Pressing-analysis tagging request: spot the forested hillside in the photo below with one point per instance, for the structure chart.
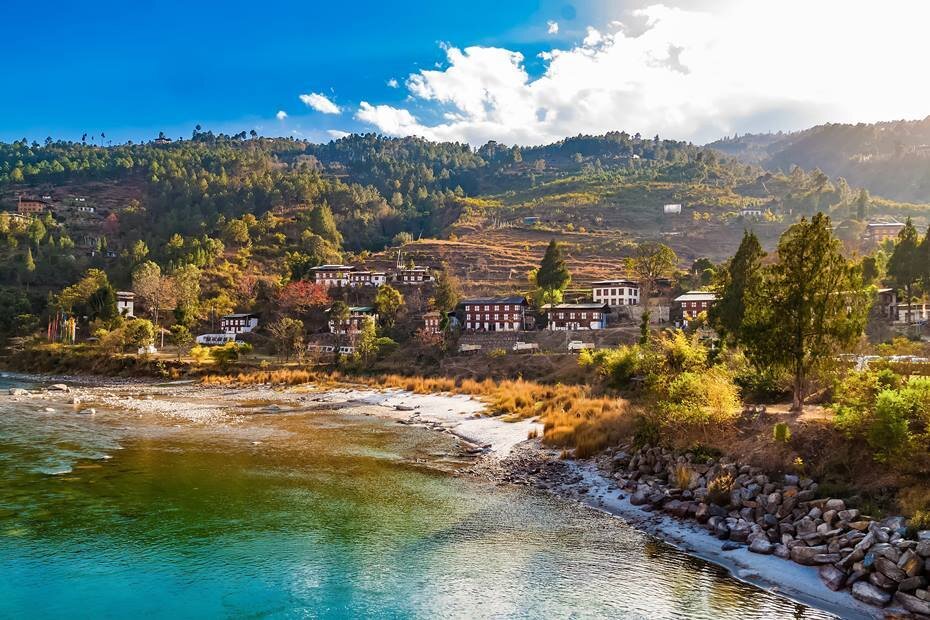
(251, 212)
(891, 159)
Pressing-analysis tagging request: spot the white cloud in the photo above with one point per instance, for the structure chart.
(552, 27)
(320, 103)
(682, 74)
(281, 115)
(393, 83)
(335, 134)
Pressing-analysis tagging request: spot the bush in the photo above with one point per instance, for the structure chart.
(495, 353)
(694, 399)
(682, 474)
(719, 489)
(781, 433)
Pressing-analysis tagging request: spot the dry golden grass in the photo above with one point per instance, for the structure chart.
(572, 417)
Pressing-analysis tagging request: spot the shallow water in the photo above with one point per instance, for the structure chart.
(312, 515)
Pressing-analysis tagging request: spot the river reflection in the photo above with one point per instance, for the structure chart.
(312, 515)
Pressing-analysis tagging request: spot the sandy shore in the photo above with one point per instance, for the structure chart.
(465, 417)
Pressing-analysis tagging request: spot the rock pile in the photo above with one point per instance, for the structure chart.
(784, 516)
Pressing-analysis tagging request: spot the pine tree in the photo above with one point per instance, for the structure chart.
(323, 223)
(811, 303)
(736, 283)
(862, 204)
(905, 266)
(552, 273)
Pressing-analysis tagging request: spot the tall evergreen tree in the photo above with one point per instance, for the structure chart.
(862, 204)
(811, 303)
(737, 282)
(552, 274)
(905, 266)
(323, 223)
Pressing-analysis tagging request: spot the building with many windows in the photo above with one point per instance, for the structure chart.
(238, 323)
(580, 316)
(495, 314)
(615, 293)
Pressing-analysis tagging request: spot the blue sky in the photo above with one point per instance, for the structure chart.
(514, 70)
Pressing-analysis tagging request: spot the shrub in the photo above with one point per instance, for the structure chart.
(496, 353)
(699, 399)
(718, 490)
(681, 474)
(919, 521)
(781, 433)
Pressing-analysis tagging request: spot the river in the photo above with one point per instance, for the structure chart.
(322, 515)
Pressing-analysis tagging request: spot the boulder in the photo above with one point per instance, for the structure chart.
(912, 603)
(761, 545)
(910, 563)
(882, 581)
(806, 555)
(638, 498)
(831, 576)
(18, 392)
(913, 583)
(923, 548)
(890, 569)
(835, 504)
(59, 387)
(782, 552)
(867, 593)
(739, 532)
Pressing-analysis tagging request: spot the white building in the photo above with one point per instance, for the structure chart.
(413, 275)
(332, 275)
(125, 302)
(919, 312)
(615, 293)
(238, 323)
(751, 212)
(673, 209)
(367, 278)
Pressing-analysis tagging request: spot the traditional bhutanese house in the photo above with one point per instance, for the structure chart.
(885, 301)
(615, 293)
(431, 322)
(879, 232)
(911, 313)
(751, 212)
(353, 324)
(125, 301)
(692, 303)
(332, 275)
(565, 317)
(413, 275)
(241, 323)
(366, 278)
(495, 314)
(31, 206)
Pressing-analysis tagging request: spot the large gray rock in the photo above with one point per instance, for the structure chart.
(835, 504)
(890, 569)
(761, 545)
(18, 392)
(910, 584)
(638, 498)
(59, 387)
(806, 555)
(832, 577)
(912, 603)
(910, 563)
(923, 548)
(867, 593)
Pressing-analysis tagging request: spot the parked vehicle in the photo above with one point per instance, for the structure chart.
(525, 346)
(466, 348)
(578, 345)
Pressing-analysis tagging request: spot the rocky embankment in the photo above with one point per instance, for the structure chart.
(880, 562)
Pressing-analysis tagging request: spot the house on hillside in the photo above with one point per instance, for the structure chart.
(911, 313)
(879, 232)
(686, 307)
(31, 206)
(332, 275)
(615, 293)
(495, 314)
(238, 323)
(125, 302)
(353, 324)
(412, 275)
(885, 301)
(579, 316)
(366, 278)
(432, 321)
(672, 209)
(751, 212)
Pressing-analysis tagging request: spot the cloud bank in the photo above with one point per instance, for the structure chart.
(680, 73)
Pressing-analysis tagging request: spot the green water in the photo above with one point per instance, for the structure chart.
(312, 516)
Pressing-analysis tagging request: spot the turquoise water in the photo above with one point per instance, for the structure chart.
(312, 516)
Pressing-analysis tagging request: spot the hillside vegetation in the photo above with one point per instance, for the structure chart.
(891, 159)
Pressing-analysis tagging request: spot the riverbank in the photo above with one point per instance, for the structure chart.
(508, 458)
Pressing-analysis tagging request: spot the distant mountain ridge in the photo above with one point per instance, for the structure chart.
(890, 159)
